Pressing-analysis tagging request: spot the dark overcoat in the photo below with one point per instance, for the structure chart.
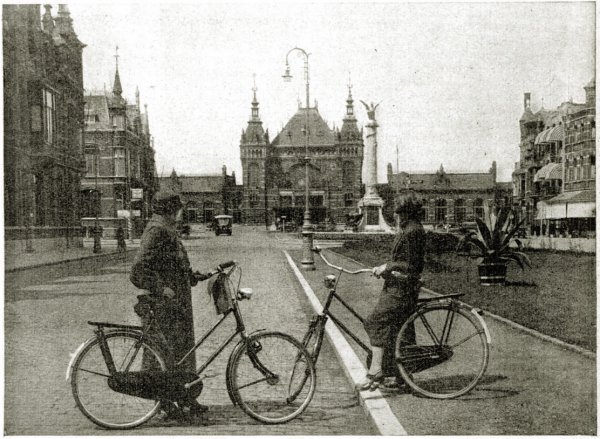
(160, 263)
(398, 297)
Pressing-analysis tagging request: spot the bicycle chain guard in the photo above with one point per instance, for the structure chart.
(150, 384)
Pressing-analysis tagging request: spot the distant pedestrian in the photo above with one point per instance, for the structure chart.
(120, 235)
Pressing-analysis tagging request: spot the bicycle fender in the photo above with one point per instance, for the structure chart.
(238, 346)
(475, 312)
(75, 354)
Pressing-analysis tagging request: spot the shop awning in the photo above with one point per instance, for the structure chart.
(553, 134)
(551, 171)
(581, 210)
(575, 204)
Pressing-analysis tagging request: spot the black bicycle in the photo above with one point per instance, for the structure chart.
(113, 386)
(441, 351)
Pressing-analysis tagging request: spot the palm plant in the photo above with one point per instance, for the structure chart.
(492, 241)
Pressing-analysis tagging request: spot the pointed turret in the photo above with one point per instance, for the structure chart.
(64, 22)
(349, 128)
(254, 132)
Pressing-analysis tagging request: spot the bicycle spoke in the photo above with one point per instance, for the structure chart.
(94, 373)
(464, 340)
(253, 383)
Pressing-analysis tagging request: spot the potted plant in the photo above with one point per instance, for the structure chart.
(492, 241)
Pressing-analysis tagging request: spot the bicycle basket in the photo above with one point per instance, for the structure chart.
(220, 290)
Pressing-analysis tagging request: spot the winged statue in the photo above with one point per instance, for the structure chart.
(371, 109)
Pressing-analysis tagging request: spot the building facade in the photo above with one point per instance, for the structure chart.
(557, 168)
(205, 196)
(274, 172)
(120, 173)
(43, 123)
(448, 198)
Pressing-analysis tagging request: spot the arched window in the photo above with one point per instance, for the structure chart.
(253, 176)
(460, 211)
(440, 210)
(478, 208)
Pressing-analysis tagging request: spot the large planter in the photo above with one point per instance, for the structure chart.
(492, 273)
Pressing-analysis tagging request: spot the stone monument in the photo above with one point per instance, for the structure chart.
(371, 204)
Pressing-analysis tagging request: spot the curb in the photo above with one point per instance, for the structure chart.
(514, 325)
(373, 402)
(64, 261)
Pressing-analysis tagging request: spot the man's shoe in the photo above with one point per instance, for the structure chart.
(371, 382)
(393, 385)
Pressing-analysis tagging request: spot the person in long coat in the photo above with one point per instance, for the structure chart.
(161, 267)
(398, 298)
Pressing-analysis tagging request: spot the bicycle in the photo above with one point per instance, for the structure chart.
(114, 388)
(431, 350)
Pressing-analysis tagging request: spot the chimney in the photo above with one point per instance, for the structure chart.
(224, 170)
(63, 21)
(47, 20)
(527, 101)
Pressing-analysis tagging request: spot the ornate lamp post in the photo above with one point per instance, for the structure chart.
(308, 262)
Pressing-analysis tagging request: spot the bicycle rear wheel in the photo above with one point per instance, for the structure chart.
(264, 370)
(89, 381)
(442, 351)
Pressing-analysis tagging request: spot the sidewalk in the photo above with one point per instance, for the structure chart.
(513, 396)
(22, 261)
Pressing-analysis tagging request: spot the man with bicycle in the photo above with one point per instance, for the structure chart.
(399, 296)
(161, 267)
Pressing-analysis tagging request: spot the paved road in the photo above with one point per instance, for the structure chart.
(45, 320)
(531, 386)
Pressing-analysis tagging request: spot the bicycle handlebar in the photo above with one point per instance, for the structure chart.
(318, 251)
(204, 276)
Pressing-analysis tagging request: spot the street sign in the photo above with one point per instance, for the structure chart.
(137, 194)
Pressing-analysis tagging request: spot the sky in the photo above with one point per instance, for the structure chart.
(450, 76)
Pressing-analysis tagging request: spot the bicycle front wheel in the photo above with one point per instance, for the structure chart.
(89, 381)
(312, 341)
(442, 351)
(263, 374)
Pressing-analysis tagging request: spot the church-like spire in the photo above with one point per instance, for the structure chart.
(349, 101)
(117, 88)
(255, 115)
(349, 130)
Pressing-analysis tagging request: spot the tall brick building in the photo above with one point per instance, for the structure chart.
(554, 181)
(448, 198)
(274, 171)
(43, 122)
(120, 175)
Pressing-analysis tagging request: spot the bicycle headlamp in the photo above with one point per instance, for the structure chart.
(329, 281)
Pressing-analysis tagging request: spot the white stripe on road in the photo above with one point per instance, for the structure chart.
(373, 402)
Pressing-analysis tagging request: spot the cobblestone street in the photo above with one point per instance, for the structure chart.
(47, 320)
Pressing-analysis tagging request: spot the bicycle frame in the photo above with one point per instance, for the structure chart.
(144, 331)
(327, 313)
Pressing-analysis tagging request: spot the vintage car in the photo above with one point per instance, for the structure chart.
(222, 224)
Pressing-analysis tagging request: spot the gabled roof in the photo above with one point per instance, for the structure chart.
(436, 181)
(293, 135)
(97, 105)
(199, 183)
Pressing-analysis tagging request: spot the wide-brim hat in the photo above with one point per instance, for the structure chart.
(166, 201)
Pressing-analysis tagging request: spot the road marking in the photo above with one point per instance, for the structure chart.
(373, 402)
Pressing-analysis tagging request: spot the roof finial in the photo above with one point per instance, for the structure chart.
(254, 89)
(349, 85)
(117, 89)
(116, 55)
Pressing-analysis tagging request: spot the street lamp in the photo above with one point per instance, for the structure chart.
(308, 262)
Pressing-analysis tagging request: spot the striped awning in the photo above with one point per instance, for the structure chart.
(551, 171)
(554, 134)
